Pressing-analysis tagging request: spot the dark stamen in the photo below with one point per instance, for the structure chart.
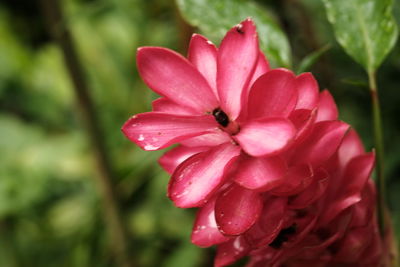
(220, 117)
(283, 236)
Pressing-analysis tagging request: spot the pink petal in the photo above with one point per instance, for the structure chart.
(197, 178)
(307, 88)
(153, 131)
(316, 248)
(321, 144)
(269, 224)
(355, 177)
(262, 66)
(311, 193)
(237, 209)
(350, 148)
(231, 251)
(372, 256)
(171, 159)
(303, 120)
(171, 75)
(296, 180)
(327, 109)
(265, 136)
(165, 105)
(203, 55)
(260, 174)
(334, 230)
(364, 210)
(205, 231)
(262, 257)
(237, 58)
(354, 244)
(272, 95)
(214, 138)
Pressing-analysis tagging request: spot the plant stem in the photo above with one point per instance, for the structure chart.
(55, 21)
(378, 136)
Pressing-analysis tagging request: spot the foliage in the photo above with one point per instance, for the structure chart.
(365, 28)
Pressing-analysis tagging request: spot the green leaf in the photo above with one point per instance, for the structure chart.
(308, 61)
(365, 28)
(216, 17)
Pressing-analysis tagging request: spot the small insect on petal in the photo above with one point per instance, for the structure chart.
(221, 117)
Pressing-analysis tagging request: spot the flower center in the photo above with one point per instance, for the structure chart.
(231, 127)
(221, 117)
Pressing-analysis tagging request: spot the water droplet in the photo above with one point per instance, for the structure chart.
(150, 147)
(237, 245)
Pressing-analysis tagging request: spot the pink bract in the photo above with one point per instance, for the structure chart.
(261, 152)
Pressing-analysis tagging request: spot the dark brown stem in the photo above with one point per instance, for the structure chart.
(54, 20)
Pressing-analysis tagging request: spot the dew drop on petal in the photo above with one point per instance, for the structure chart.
(150, 147)
(141, 137)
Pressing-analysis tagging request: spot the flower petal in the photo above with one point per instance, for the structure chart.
(269, 224)
(303, 120)
(237, 209)
(231, 251)
(354, 243)
(372, 256)
(272, 95)
(364, 210)
(213, 138)
(355, 178)
(327, 109)
(237, 58)
(172, 158)
(312, 192)
(194, 181)
(205, 231)
(203, 55)
(321, 144)
(262, 67)
(350, 148)
(171, 75)
(307, 88)
(297, 179)
(165, 105)
(153, 131)
(266, 136)
(260, 174)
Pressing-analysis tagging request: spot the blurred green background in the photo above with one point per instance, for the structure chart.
(51, 211)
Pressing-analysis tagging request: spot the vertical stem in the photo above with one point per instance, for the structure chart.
(55, 21)
(378, 136)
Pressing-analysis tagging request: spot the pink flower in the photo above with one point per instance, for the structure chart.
(228, 110)
(261, 152)
(341, 228)
(225, 107)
